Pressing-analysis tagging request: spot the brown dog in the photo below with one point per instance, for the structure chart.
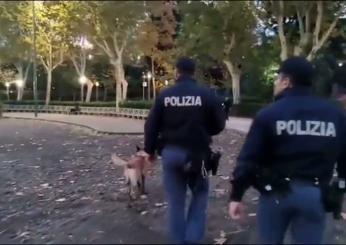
(135, 171)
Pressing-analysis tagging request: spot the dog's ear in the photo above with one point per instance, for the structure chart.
(138, 148)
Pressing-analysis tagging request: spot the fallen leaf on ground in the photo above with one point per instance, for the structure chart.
(61, 200)
(343, 215)
(224, 177)
(45, 185)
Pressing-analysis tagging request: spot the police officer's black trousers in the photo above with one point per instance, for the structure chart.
(301, 209)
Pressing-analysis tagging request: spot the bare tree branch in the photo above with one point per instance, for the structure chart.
(26, 71)
(74, 61)
(318, 23)
(123, 45)
(328, 32)
(230, 46)
(104, 48)
(83, 58)
(115, 42)
(44, 63)
(61, 58)
(318, 43)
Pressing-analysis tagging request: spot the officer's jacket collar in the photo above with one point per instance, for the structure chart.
(296, 91)
(185, 78)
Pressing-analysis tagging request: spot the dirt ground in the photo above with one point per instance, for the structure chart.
(56, 186)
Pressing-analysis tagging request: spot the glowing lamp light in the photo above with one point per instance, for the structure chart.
(82, 80)
(19, 83)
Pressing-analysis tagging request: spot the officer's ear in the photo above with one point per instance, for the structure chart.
(286, 81)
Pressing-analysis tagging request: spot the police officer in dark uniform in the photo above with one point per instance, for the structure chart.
(289, 156)
(181, 122)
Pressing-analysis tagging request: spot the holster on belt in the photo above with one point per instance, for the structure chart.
(332, 198)
(209, 159)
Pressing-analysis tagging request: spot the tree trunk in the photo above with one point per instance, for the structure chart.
(118, 96)
(22, 75)
(119, 75)
(90, 86)
(49, 85)
(124, 86)
(235, 75)
(282, 37)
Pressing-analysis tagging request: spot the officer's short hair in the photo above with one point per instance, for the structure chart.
(299, 70)
(186, 66)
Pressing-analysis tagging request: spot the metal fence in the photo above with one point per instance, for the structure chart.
(83, 110)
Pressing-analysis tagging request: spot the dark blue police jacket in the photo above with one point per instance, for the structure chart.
(298, 136)
(185, 115)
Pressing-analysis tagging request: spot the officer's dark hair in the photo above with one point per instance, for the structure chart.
(299, 70)
(186, 66)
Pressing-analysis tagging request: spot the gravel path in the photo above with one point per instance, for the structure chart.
(56, 186)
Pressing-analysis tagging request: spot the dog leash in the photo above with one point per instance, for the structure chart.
(204, 170)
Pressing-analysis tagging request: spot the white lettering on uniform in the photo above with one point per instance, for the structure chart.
(167, 101)
(198, 101)
(291, 127)
(331, 130)
(280, 125)
(312, 128)
(183, 101)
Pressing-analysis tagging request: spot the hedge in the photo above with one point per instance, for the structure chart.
(129, 104)
(245, 109)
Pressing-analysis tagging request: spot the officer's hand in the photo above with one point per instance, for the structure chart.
(236, 210)
(148, 157)
(152, 158)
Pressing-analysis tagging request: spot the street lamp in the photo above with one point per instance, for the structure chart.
(340, 64)
(19, 83)
(144, 85)
(82, 81)
(7, 84)
(149, 76)
(97, 84)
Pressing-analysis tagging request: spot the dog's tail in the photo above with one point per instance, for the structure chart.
(117, 160)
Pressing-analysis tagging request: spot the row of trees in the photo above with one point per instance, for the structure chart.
(226, 33)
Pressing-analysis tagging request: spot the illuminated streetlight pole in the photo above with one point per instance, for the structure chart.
(34, 58)
(144, 85)
(97, 84)
(149, 76)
